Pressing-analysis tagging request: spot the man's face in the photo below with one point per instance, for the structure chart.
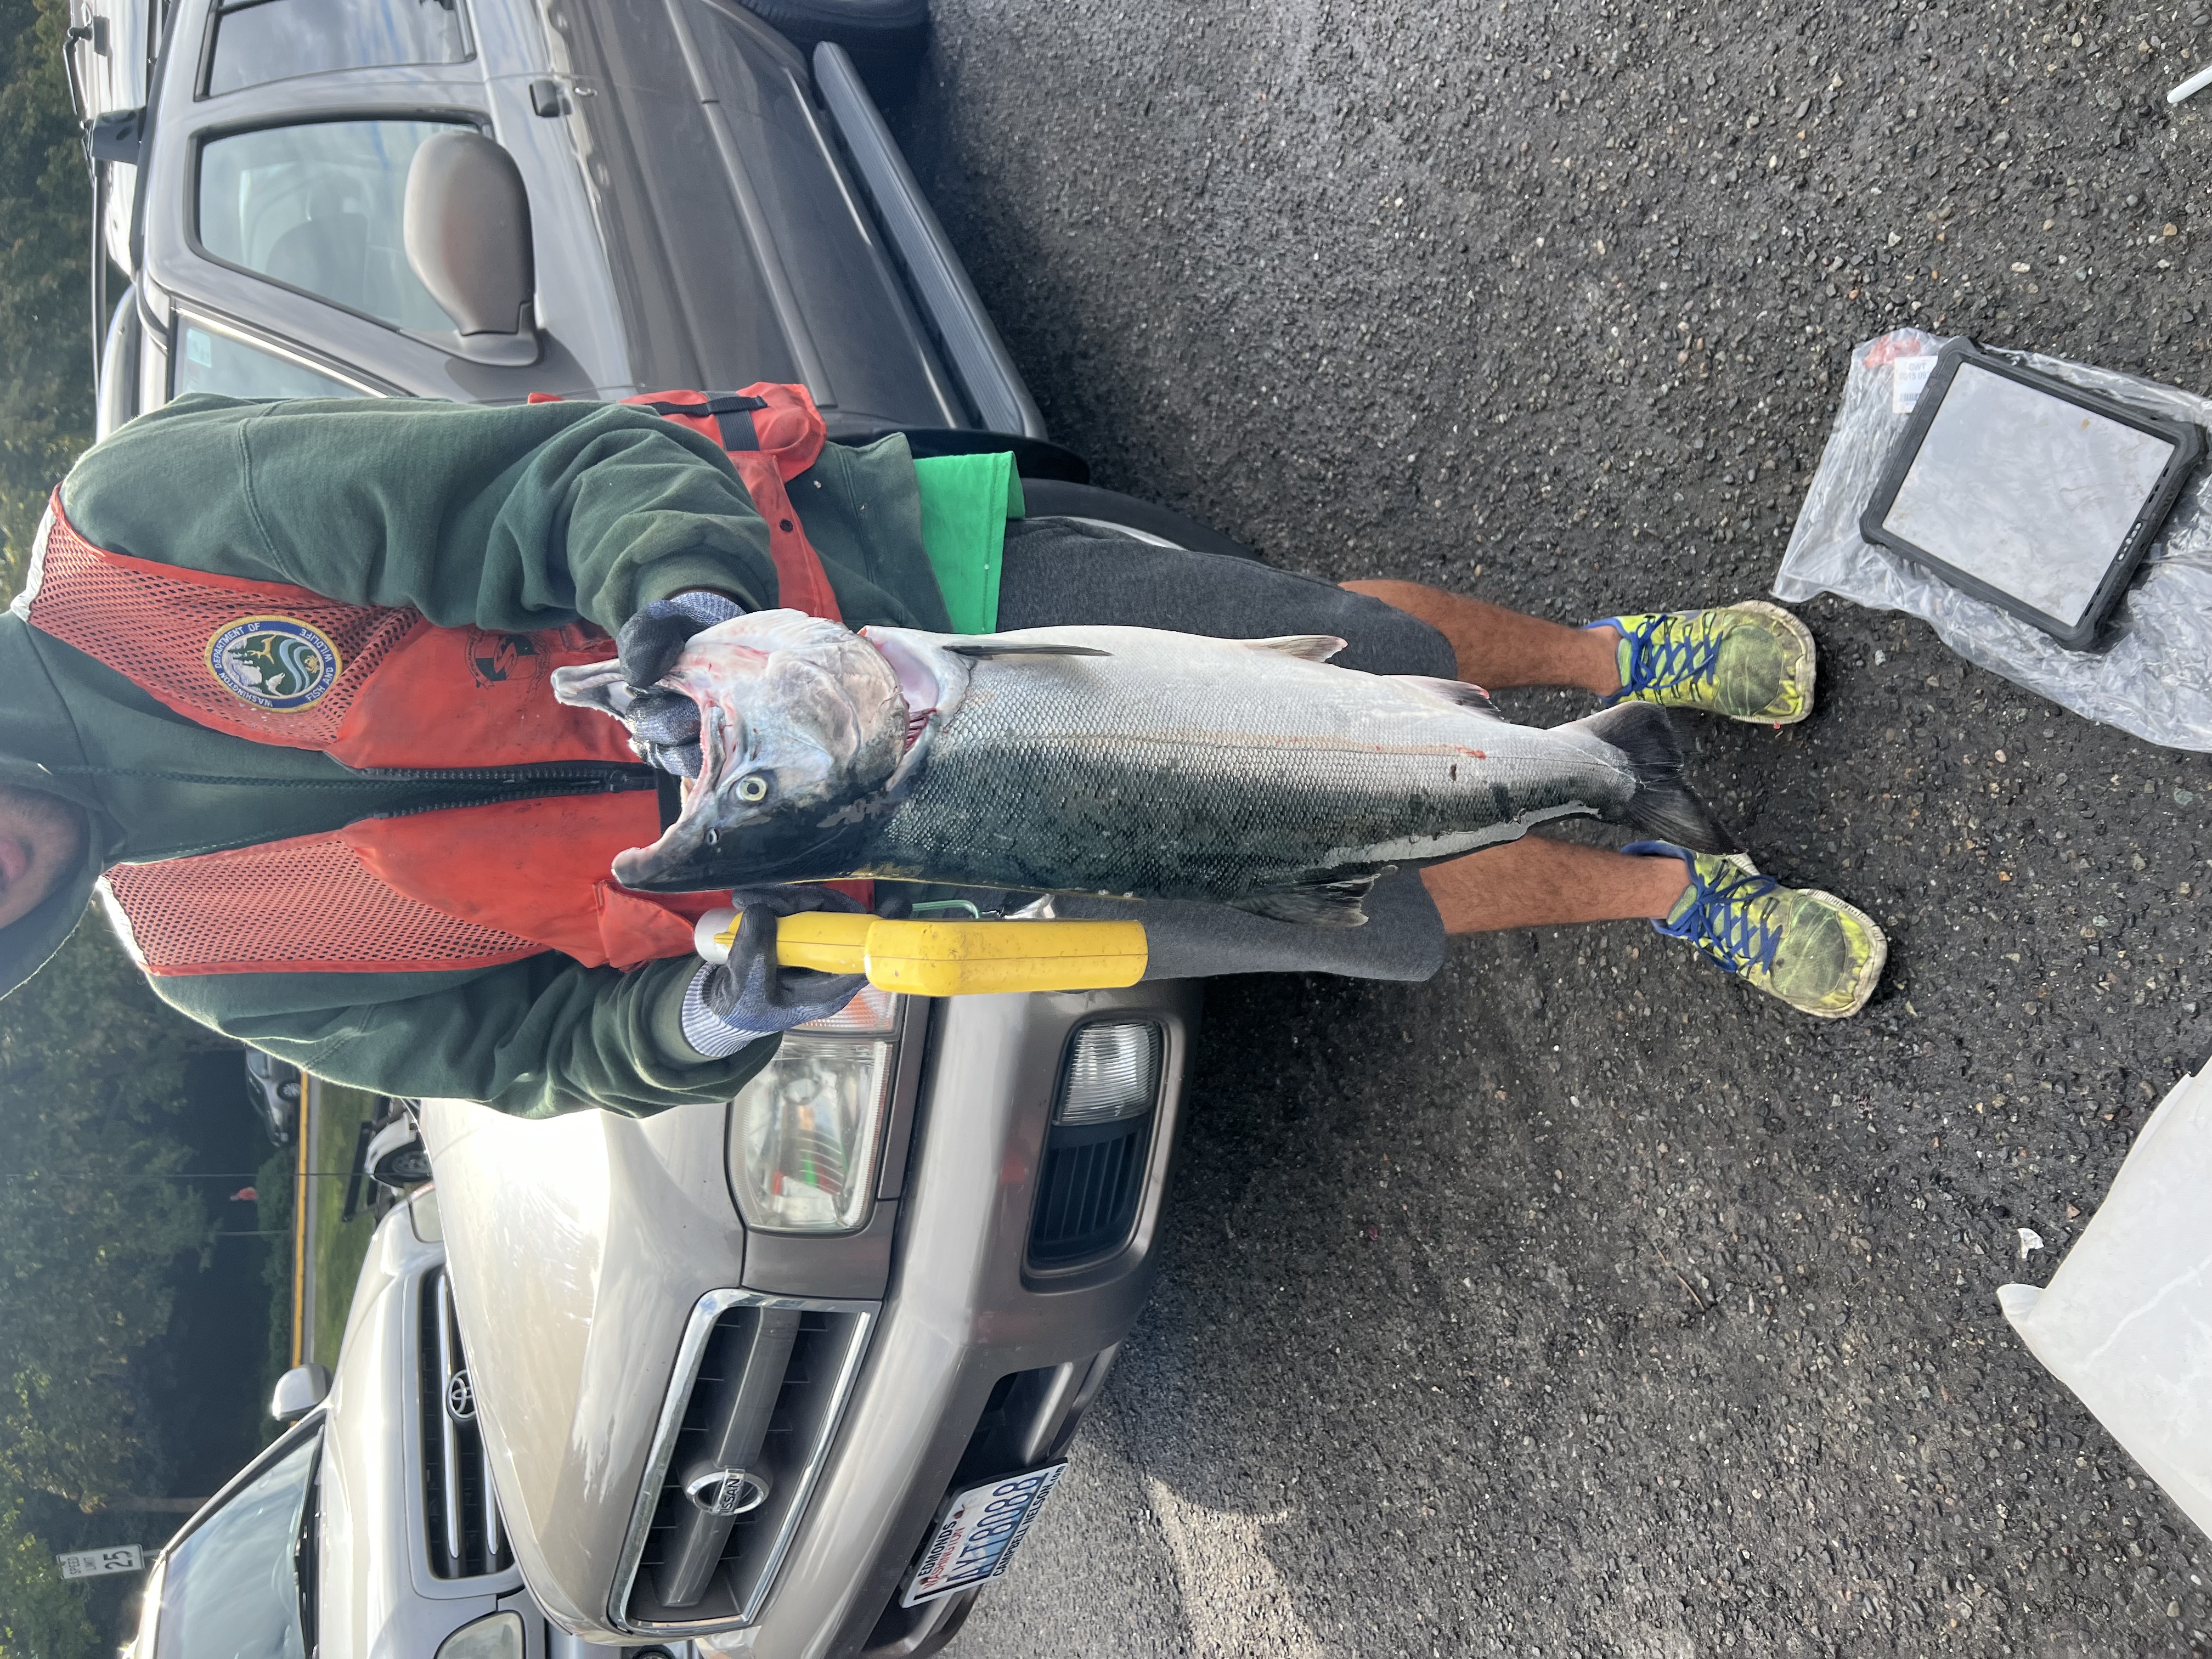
(41, 842)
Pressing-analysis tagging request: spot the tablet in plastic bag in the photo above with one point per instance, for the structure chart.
(2030, 493)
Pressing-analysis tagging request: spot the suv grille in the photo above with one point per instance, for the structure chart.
(461, 1515)
(1087, 1192)
(759, 1388)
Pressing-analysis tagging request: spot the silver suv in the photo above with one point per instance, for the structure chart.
(368, 1528)
(792, 1376)
(694, 205)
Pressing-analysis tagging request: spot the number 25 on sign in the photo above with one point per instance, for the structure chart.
(92, 1564)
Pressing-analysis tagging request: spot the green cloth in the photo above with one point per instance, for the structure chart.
(514, 517)
(966, 500)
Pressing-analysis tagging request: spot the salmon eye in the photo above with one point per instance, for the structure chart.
(752, 787)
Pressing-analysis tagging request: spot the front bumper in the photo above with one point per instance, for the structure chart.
(586, 1250)
(964, 1313)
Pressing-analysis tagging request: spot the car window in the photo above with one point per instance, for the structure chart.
(318, 207)
(208, 361)
(229, 1588)
(253, 42)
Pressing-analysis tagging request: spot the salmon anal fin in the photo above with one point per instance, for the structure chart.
(1313, 647)
(1458, 693)
(1320, 904)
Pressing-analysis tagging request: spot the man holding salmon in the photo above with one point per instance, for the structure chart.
(281, 684)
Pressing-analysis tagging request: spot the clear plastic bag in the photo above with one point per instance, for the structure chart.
(2126, 1321)
(2154, 680)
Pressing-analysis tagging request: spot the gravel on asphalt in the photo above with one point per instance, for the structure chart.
(1582, 1301)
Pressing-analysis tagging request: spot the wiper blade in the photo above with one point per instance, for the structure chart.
(303, 1561)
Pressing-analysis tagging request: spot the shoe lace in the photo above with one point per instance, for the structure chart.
(1724, 919)
(1670, 650)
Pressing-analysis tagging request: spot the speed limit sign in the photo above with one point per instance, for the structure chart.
(93, 1564)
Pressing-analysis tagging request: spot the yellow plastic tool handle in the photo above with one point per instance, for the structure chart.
(949, 959)
(966, 958)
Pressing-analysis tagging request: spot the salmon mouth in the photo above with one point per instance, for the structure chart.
(794, 745)
(714, 747)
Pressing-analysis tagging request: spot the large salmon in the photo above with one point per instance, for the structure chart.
(1117, 761)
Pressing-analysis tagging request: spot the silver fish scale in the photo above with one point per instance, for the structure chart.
(1214, 771)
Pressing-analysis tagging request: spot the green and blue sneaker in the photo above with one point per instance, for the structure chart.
(1818, 954)
(1752, 661)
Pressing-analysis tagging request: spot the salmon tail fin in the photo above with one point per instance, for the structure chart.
(1664, 806)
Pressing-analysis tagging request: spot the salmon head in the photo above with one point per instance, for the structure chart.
(800, 722)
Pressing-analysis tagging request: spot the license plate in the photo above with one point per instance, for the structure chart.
(977, 1532)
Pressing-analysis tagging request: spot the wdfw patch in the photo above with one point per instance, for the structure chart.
(274, 662)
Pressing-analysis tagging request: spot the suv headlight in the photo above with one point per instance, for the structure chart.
(806, 1132)
(494, 1636)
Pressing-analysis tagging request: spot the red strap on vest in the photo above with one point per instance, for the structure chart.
(772, 434)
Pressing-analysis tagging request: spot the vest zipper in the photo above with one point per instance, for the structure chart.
(607, 777)
(612, 776)
(619, 785)
(580, 777)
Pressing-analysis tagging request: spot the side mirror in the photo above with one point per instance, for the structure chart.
(299, 1391)
(466, 227)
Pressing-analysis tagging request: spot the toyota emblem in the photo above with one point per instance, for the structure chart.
(460, 1398)
(728, 1491)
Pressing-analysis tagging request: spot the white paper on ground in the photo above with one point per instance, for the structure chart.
(2126, 1321)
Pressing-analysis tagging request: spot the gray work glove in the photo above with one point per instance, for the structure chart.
(664, 725)
(731, 1004)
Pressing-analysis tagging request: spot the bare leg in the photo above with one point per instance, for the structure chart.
(1532, 883)
(1498, 647)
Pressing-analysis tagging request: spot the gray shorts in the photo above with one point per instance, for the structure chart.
(1061, 572)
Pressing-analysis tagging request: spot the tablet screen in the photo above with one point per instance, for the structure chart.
(2027, 492)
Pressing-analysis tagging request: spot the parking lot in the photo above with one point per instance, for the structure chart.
(1580, 1302)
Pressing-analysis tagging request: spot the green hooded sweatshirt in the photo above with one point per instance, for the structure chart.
(509, 519)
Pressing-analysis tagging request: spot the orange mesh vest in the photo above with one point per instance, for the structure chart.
(377, 687)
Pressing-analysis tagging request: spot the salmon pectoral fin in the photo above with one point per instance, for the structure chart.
(1458, 693)
(980, 649)
(1317, 904)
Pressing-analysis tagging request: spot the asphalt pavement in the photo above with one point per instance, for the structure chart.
(1582, 1301)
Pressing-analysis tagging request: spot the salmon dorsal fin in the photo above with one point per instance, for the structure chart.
(980, 649)
(1313, 647)
(1317, 904)
(1458, 693)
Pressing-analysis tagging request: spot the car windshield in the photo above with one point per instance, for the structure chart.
(319, 206)
(230, 1590)
(257, 41)
(208, 361)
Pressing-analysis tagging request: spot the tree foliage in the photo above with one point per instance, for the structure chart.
(90, 1063)
(91, 1066)
(45, 229)
(41, 1616)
